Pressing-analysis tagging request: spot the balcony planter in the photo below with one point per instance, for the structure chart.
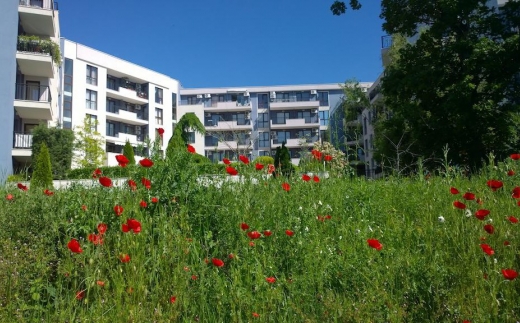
(38, 45)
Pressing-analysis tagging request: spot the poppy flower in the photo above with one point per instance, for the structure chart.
(487, 249)
(509, 274)
(122, 160)
(96, 239)
(22, 187)
(74, 246)
(515, 156)
(80, 295)
(118, 210)
(507, 243)
(321, 218)
(145, 162)
(97, 172)
(100, 283)
(132, 184)
(231, 171)
(105, 181)
(306, 177)
(479, 201)
(289, 233)
(125, 227)
(254, 235)
(155, 200)
(328, 217)
(454, 191)
(481, 214)
(173, 299)
(468, 196)
(316, 154)
(512, 219)
(286, 187)
(244, 159)
(134, 225)
(146, 183)
(374, 243)
(316, 179)
(124, 257)
(84, 207)
(194, 277)
(256, 314)
(143, 204)
(244, 226)
(251, 244)
(510, 172)
(516, 192)
(267, 233)
(494, 184)
(226, 161)
(459, 205)
(270, 280)
(270, 168)
(259, 166)
(190, 149)
(160, 131)
(9, 197)
(328, 158)
(102, 228)
(231, 256)
(217, 262)
(48, 193)
(489, 228)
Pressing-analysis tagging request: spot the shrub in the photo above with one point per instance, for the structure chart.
(128, 151)
(264, 160)
(42, 175)
(110, 171)
(282, 162)
(60, 143)
(199, 159)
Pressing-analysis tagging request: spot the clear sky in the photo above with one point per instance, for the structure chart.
(225, 43)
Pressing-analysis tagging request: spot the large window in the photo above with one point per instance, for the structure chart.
(263, 140)
(92, 121)
(263, 101)
(112, 106)
(324, 118)
(92, 75)
(323, 97)
(158, 95)
(91, 100)
(112, 83)
(67, 94)
(263, 120)
(281, 117)
(283, 136)
(192, 100)
(158, 116)
(304, 115)
(111, 129)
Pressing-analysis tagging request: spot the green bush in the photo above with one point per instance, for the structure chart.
(42, 175)
(128, 151)
(282, 162)
(264, 160)
(109, 171)
(60, 143)
(200, 159)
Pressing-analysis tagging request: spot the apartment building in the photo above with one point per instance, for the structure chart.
(254, 121)
(129, 102)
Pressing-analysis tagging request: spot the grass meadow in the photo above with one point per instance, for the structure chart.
(337, 250)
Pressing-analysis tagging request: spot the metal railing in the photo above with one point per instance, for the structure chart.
(22, 140)
(292, 99)
(28, 92)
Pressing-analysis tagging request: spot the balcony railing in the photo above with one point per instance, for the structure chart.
(386, 41)
(35, 46)
(42, 4)
(292, 99)
(307, 120)
(28, 92)
(140, 112)
(22, 140)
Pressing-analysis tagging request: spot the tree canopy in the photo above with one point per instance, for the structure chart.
(181, 133)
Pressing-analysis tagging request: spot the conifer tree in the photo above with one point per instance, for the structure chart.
(282, 161)
(128, 151)
(42, 175)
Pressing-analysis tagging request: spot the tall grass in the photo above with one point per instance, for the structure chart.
(430, 269)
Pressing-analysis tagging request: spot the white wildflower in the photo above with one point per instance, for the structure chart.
(441, 219)
(468, 213)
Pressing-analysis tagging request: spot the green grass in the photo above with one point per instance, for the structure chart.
(427, 270)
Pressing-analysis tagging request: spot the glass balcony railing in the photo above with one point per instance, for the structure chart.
(30, 92)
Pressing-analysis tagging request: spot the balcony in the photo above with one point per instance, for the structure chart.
(124, 90)
(227, 126)
(37, 16)
(22, 144)
(124, 116)
(33, 102)
(35, 57)
(229, 106)
(122, 138)
(293, 104)
(294, 142)
(234, 145)
(296, 123)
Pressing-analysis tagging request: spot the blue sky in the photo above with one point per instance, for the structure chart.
(224, 43)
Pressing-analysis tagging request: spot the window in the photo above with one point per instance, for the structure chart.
(192, 100)
(191, 137)
(364, 125)
(91, 100)
(92, 121)
(112, 83)
(283, 136)
(305, 134)
(324, 118)
(323, 97)
(210, 141)
(111, 129)
(158, 95)
(264, 153)
(263, 120)
(91, 75)
(240, 118)
(67, 95)
(112, 106)
(281, 117)
(158, 116)
(304, 115)
(263, 101)
(263, 140)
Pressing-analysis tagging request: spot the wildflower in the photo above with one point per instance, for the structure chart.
(160, 131)
(124, 257)
(146, 183)
(468, 213)
(459, 205)
(84, 207)
(22, 187)
(9, 197)
(259, 166)
(190, 149)
(134, 225)
(512, 219)
(97, 172)
(507, 243)
(489, 228)
(509, 274)
(143, 204)
(454, 191)
(118, 210)
(122, 160)
(468, 196)
(256, 314)
(217, 262)
(441, 219)
(481, 214)
(102, 228)
(286, 187)
(226, 161)
(105, 181)
(270, 280)
(516, 192)
(479, 201)
(194, 277)
(74, 246)
(132, 185)
(317, 154)
(251, 244)
(80, 295)
(374, 243)
(100, 283)
(267, 233)
(173, 299)
(145, 162)
(244, 159)
(510, 172)
(487, 249)
(316, 179)
(96, 239)
(306, 177)
(48, 193)
(155, 200)
(244, 226)
(494, 184)
(328, 158)
(515, 156)
(254, 235)
(270, 168)
(289, 233)
(231, 256)
(231, 171)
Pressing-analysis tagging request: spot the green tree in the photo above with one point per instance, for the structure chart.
(128, 151)
(89, 144)
(42, 175)
(282, 161)
(181, 133)
(60, 143)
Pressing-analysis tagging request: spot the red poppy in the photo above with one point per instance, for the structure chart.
(267, 233)
(494, 184)
(454, 191)
(132, 224)
(244, 226)
(226, 161)
(510, 172)
(516, 192)
(251, 244)
(143, 203)
(231, 171)
(160, 131)
(145, 162)
(256, 314)
(100, 283)
(316, 154)
(80, 295)
(125, 227)
(191, 149)
(321, 218)
(270, 280)
(489, 228)
(97, 172)
(270, 168)
(306, 177)
(481, 214)
(328, 217)
(155, 200)
(468, 196)
(217, 262)
(374, 243)
(515, 156)
(509, 274)
(9, 197)
(328, 158)
(459, 205)
(84, 207)
(22, 187)
(102, 228)
(96, 239)
(146, 183)
(105, 181)
(254, 235)
(286, 187)
(173, 299)
(479, 201)
(316, 179)
(132, 184)
(259, 166)
(487, 249)
(507, 243)
(231, 256)
(194, 277)
(124, 257)
(244, 159)
(118, 210)
(122, 160)
(512, 219)
(74, 246)
(48, 193)
(289, 233)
